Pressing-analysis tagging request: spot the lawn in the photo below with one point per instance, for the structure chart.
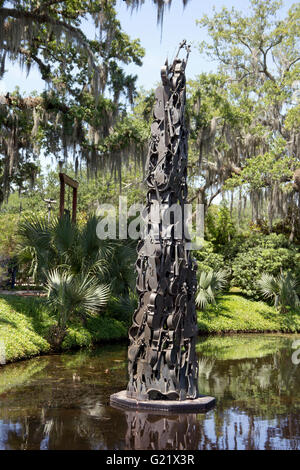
(235, 313)
(24, 325)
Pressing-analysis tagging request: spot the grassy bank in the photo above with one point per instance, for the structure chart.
(25, 322)
(235, 313)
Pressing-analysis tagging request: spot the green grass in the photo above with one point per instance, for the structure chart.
(242, 346)
(25, 322)
(235, 313)
(22, 324)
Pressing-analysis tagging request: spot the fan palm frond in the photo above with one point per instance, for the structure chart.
(283, 289)
(210, 284)
(68, 293)
(121, 268)
(64, 234)
(34, 247)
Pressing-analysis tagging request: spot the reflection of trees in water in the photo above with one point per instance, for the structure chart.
(58, 403)
(52, 429)
(14, 375)
(265, 386)
(62, 404)
(219, 429)
(242, 346)
(223, 429)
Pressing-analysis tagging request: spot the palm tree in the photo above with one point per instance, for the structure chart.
(73, 264)
(35, 249)
(121, 270)
(209, 286)
(69, 294)
(283, 289)
(62, 244)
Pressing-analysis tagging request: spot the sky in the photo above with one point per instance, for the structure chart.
(179, 23)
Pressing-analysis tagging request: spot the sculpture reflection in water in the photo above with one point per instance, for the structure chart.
(162, 359)
(152, 432)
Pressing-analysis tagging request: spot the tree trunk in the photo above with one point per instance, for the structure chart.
(270, 212)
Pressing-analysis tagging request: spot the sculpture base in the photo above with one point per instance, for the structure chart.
(202, 403)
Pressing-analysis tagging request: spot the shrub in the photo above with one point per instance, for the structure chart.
(263, 254)
(219, 226)
(283, 289)
(209, 286)
(208, 259)
(78, 270)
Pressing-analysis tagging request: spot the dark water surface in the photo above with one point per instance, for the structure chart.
(62, 401)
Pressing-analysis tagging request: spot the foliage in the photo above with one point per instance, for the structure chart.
(234, 313)
(69, 294)
(283, 289)
(45, 246)
(25, 324)
(71, 115)
(243, 119)
(7, 237)
(262, 254)
(161, 5)
(209, 286)
(98, 329)
(22, 322)
(122, 308)
(219, 226)
(208, 259)
(78, 269)
(82, 110)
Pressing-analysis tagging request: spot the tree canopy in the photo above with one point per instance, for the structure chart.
(245, 118)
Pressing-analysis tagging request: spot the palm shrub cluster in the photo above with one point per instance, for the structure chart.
(80, 273)
(284, 290)
(210, 284)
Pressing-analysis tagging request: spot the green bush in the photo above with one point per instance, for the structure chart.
(263, 254)
(219, 226)
(284, 290)
(208, 259)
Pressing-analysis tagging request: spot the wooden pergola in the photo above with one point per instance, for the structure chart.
(66, 180)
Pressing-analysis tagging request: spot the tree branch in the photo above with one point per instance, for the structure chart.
(47, 5)
(265, 68)
(290, 65)
(44, 18)
(212, 197)
(45, 69)
(31, 102)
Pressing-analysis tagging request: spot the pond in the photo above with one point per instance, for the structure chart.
(62, 401)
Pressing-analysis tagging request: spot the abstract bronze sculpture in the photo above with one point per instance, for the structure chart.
(162, 360)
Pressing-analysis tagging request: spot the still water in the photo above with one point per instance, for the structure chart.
(62, 401)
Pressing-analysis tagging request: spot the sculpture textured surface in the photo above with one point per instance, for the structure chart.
(162, 358)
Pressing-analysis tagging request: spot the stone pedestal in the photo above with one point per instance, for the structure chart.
(196, 405)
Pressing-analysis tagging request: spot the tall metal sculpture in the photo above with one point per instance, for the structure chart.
(162, 359)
